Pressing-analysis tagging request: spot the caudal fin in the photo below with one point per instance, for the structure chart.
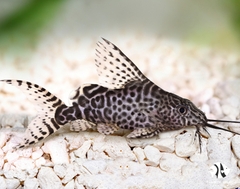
(44, 124)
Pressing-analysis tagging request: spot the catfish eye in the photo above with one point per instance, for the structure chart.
(182, 109)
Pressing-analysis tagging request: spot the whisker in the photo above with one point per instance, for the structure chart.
(205, 129)
(216, 127)
(198, 134)
(226, 121)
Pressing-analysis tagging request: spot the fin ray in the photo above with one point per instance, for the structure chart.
(143, 132)
(106, 128)
(114, 68)
(44, 124)
(81, 125)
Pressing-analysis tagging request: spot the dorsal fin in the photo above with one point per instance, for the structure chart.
(114, 68)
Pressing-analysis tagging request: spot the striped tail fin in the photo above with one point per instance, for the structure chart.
(44, 124)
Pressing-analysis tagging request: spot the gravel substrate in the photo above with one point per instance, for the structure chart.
(210, 78)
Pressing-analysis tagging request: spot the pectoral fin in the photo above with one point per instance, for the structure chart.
(81, 125)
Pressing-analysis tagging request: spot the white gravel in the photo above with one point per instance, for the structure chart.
(208, 77)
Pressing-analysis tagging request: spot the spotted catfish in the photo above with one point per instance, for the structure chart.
(124, 99)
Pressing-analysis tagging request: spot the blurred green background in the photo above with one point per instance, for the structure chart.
(24, 23)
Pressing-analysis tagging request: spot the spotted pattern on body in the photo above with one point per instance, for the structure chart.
(138, 106)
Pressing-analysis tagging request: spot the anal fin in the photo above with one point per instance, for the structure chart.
(107, 128)
(143, 132)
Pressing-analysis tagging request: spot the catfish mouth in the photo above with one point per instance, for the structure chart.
(204, 126)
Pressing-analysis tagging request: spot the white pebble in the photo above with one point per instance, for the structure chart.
(1, 162)
(188, 170)
(40, 161)
(12, 183)
(99, 181)
(139, 152)
(71, 172)
(97, 155)
(18, 125)
(232, 101)
(219, 148)
(229, 110)
(168, 134)
(133, 168)
(203, 156)
(37, 154)
(60, 170)
(32, 172)
(78, 185)
(26, 152)
(48, 179)
(3, 138)
(75, 140)
(165, 144)
(24, 163)
(15, 173)
(95, 166)
(15, 139)
(204, 95)
(206, 109)
(215, 108)
(57, 149)
(115, 147)
(7, 166)
(236, 145)
(234, 127)
(171, 162)
(31, 183)
(153, 155)
(11, 119)
(69, 185)
(11, 156)
(125, 167)
(3, 184)
(141, 142)
(82, 151)
(185, 144)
